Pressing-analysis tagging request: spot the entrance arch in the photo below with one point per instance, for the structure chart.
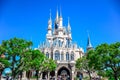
(64, 73)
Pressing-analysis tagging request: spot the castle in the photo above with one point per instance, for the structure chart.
(59, 47)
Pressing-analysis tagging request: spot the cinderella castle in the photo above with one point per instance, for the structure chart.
(59, 47)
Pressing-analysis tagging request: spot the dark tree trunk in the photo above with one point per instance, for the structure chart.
(28, 75)
(21, 75)
(13, 68)
(89, 75)
(0, 74)
(13, 75)
(37, 74)
(115, 76)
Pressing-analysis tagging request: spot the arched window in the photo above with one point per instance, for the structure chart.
(62, 56)
(47, 55)
(55, 42)
(72, 56)
(59, 43)
(67, 56)
(57, 55)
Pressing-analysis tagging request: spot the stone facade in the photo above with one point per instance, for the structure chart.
(59, 47)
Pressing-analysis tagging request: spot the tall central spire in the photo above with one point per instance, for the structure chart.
(57, 15)
(50, 14)
(57, 20)
(60, 19)
(60, 12)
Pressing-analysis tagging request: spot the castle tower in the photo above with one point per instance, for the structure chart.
(60, 19)
(49, 32)
(60, 28)
(89, 45)
(57, 20)
(69, 30)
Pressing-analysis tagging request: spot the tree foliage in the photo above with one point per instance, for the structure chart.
(20, 57)
(4, 63)
(106, 57)
(82, 64)
(15, 50)
(48, 66)
(35, 60)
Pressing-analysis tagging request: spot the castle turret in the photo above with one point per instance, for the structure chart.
(69, 30)
(60, 28)
(60, 19)
(57, 16)
(49, 34)
(50, 25)
(57, 20)
(89, 45)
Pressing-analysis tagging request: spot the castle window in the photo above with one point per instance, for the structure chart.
(67, 56)
(72, 56)
(59, 43)
(47, 55)
(54, 42)
(57, 55)
(62, 56)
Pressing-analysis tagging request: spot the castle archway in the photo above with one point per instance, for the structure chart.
(64, 73)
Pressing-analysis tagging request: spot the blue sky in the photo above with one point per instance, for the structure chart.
(28, 19)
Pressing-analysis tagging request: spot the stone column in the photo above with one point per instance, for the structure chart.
(41, 76)
(69, 56)
(55, 75)
(60, 56)
(73, 75)
(72, 70)
(24, 76)
(48, 75)
(53, 56)
(65, 56)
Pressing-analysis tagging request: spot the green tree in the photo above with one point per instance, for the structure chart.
(3, 61)
(38, 59)
(50, 67)
(34, 60)
(15, 49)
(27, 58)
(82, 64)
(106, 57)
